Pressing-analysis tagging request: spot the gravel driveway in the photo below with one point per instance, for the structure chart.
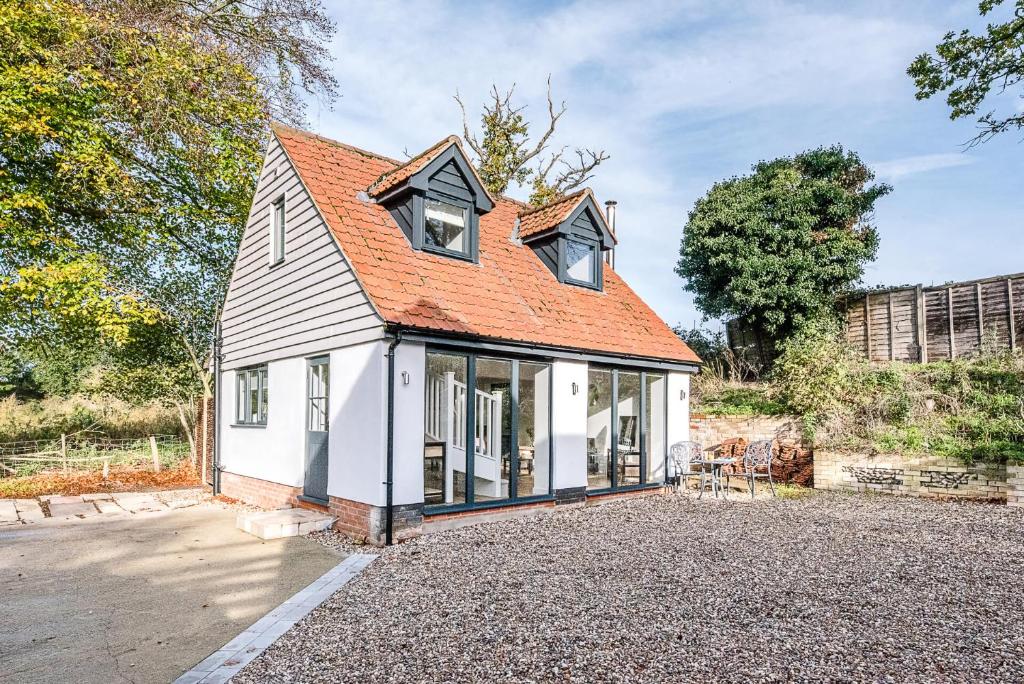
(669, 589)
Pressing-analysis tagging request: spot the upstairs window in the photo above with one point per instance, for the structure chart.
(252, 396)
(445, 227)
(277, 227)
(581, 262)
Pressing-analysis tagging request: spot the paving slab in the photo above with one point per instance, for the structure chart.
(137, 503)
(107, 506)
(71, 509)
(61, 499)
(97, 497)
(8, 512)
(29, 510)
(289, 522)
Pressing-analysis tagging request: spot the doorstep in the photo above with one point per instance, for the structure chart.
(287, 522)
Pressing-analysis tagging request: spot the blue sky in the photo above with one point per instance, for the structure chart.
(683, 94)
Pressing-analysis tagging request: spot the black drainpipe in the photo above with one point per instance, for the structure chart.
(216, 407)
(390, 482)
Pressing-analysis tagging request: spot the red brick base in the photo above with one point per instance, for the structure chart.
(258, 492)
(610, 496)
(367, 523)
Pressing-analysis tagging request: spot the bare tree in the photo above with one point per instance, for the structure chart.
(283, 43)
(505, 153)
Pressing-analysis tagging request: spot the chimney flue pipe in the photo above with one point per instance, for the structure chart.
(609, 214)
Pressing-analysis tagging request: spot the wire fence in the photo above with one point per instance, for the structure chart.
(90, 452)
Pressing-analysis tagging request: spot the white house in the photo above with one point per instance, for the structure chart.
(398, 345)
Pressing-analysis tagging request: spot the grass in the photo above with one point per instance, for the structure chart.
(48, 418)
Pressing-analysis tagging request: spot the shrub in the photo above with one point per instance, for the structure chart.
(48, 418)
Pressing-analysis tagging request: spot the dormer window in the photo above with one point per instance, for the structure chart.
(568, 235)
(445, 227)
(437, 200)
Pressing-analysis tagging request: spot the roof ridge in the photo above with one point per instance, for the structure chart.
(276, 126)
(434, 149)
(555, 202)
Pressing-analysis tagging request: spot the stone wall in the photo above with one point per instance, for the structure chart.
(1015, 479)
(924, 476)
(711, 431)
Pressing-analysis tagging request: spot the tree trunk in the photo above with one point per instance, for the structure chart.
(188, 431)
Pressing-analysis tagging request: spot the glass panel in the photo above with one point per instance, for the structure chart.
(254, 396)
(493, 431)
(654, 428)
(445, 226)
(264, 396)
(579, 261)
(534, 429)
(318, 384)
(444, 439)
(599, 428)
(629, 429)
(240, 413)
(279, 231)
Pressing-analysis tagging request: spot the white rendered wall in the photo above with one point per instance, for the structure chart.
(569, 424)
(275, 452)
(678, 409)
(541, 432)
(358, 424)
(410, 399)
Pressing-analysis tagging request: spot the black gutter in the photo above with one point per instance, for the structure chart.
(216, 407)
(390, 481)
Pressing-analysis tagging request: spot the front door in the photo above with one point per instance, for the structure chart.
(315, 486)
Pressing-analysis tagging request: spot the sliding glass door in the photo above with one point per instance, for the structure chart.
(487, 429)
(625, 428)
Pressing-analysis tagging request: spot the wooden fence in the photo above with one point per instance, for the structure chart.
(932, 323)
(916, 323)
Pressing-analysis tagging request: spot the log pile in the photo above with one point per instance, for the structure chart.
(793, 464)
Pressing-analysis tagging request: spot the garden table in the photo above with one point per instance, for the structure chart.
(714, 467)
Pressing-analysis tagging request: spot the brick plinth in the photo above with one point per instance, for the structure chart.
(258, 492)
(368, 524)
(611, 496)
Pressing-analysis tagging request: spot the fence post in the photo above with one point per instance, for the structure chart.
(952, 332)
(1009, 311)
(106, 467)
(156, 454)
(64, 451)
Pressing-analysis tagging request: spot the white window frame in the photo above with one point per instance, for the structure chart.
(247, 379)
(278, 225)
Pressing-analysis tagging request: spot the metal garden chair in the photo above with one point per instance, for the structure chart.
(683, 454)
(758, 455)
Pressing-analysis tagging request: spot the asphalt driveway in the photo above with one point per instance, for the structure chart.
(138, 598)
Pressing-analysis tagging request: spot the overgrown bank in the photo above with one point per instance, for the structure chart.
(968, 409)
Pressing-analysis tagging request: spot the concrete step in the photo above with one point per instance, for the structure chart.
(288, 522)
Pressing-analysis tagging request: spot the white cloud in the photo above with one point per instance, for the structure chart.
(631, 78)
(908, 166)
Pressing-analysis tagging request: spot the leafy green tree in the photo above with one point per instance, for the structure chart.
(775, 248)
(131, 134)
(972, 67)
(504, 152)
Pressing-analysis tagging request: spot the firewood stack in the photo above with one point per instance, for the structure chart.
(793, 464)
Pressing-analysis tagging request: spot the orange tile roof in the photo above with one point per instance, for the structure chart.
(509, 295)
(539, 219)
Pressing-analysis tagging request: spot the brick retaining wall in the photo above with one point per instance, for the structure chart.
(711, 431)
(924, 476)
(1015, 480)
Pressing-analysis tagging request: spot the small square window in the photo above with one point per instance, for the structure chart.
(277, 229)
(580, 262)
(253, 399)
(444, 227)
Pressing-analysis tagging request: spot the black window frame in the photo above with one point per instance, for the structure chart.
(470, 229)
(644, 434)
(243, 406)
(513, 498)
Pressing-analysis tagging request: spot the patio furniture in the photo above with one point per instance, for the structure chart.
(758, 455)
(714, 467)
(683, 455)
